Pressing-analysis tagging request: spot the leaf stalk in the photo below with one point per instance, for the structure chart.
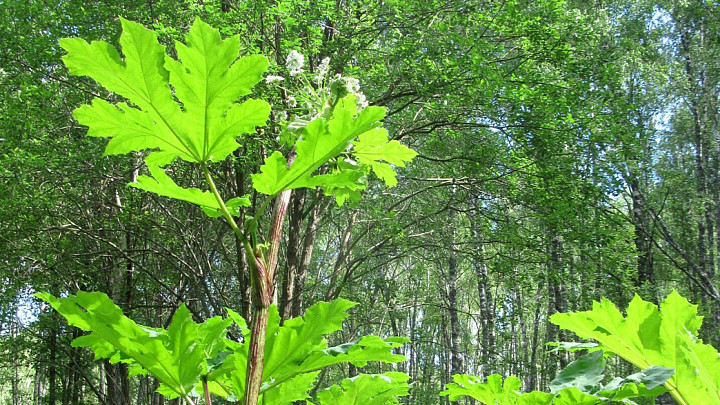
(207, 391)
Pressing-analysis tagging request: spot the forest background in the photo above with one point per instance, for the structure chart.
(568, 151)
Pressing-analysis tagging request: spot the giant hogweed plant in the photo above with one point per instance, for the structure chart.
(188, 109)
(662, 342)
(580, 383)
(647, 336)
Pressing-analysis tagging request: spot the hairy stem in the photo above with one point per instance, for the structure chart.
(263, 289)
(256, 354)
(263, 278)
(207, 391)
(262, 274)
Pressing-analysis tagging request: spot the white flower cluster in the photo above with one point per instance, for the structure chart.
(361, 101)
(295, 62)
(323, 68)
(272, 79)
(342, 86)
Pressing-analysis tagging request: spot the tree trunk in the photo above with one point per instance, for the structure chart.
(703, 101)
(533, 378)
(118, 384)
(556, 303)
(52, 371)
(452, 290)
(15, 379)
(643, 242)
(313, 223)
(293, 259)
(103, 387)
(701, 180)
(487, 312)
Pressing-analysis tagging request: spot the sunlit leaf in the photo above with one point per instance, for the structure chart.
(176, 356)
(367, 389)
(299, 348)
(374, 149)
(323, 139)
(650, 337)
(207, 80)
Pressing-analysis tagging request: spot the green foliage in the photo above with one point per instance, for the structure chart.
(187, 353)
(161, 184)
(175, 357)
(299, 348)
(651, 337)
(320, 142)
(578, 383)
(207, 80)
(568, 90)
(366, 389)
(493, 391)
(187, 108)
(373, 147)
(587, 372)
(662, 342)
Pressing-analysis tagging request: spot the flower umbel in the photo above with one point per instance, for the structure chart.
(323, 68)
(271, 79)
(295, 62)
(341, 86)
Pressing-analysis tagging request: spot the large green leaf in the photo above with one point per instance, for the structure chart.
(207, 80)
(584, 373)
(373, 147)
(298, 349)
(292, 390)
(326, 139)
(322, 139)
(161, 184)
(646, 383)
(367, 389)
(495, 392)
(184, 349)
(578, 383)
(176, 356)
(573, 396)
(649, 337)
(188, 108)
(587, 372)
(491, 392)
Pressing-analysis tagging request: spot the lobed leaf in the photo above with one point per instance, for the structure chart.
(321, 141)
(373, 147)
(161, 184)
(651, 337)
(296, 351)
(176, 357)
(487, 392)
(585, 373)
(179, 356)
(578, 383)
(367, 389)
(207, 80)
